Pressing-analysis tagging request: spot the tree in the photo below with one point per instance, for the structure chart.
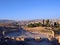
(39, 24)
(30, 25)
(47, 23)
(34, 24)
(43, 23)
(59, 28)
(56, 24)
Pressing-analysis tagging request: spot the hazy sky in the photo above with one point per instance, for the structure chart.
(29, 9)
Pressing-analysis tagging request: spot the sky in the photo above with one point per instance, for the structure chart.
(29, 9)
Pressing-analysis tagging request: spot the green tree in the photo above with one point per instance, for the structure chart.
(47, 23)
(30, 25)
(56, 25)
(34, 24)
(43, 23)
(59, 28)
(39, 24)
